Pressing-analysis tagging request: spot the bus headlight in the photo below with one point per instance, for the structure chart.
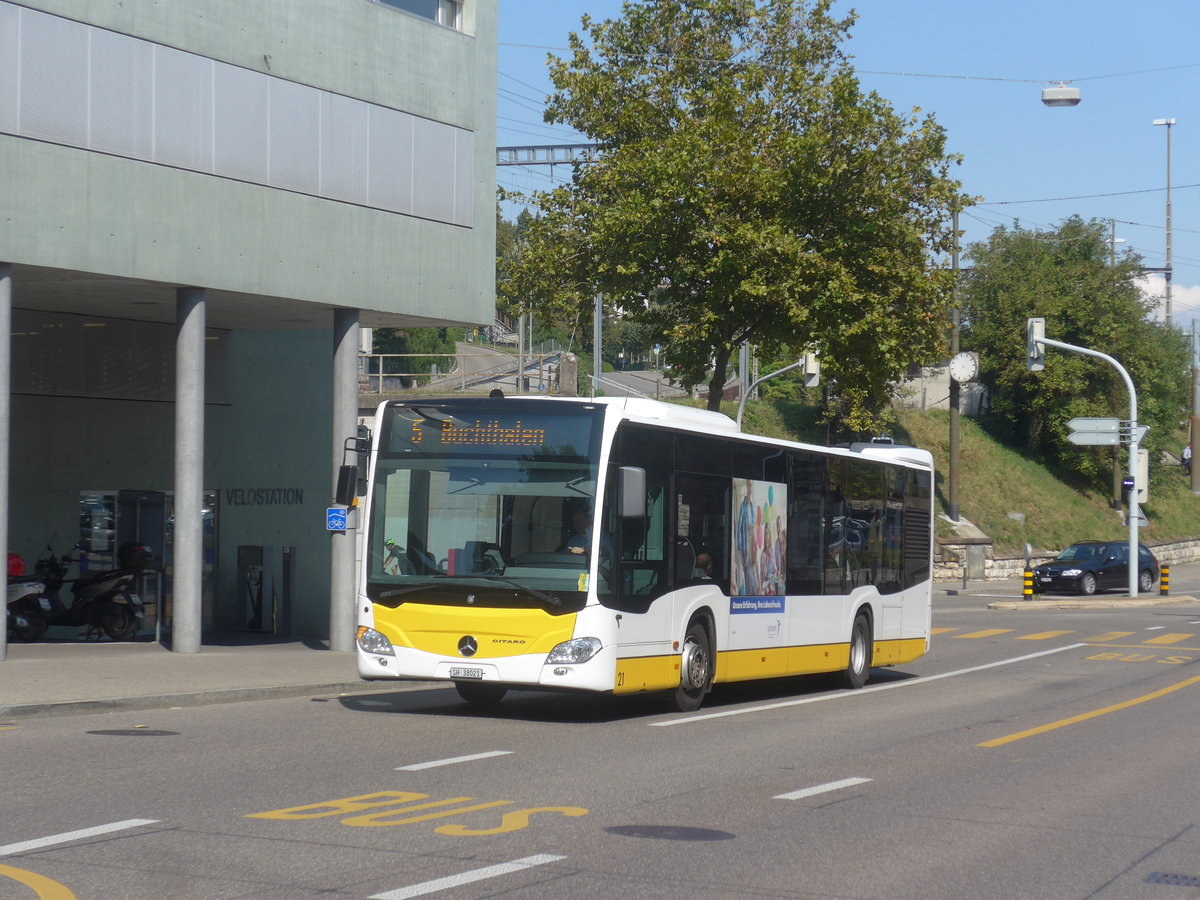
(579, 650)
(373, 642)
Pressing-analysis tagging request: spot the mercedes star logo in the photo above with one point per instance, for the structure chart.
(467, 646)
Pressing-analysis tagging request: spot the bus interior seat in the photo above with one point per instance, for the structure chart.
(685, 559)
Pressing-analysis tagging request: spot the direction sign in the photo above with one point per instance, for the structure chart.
(1102, 426)
(1093, 438)
(1094, 432)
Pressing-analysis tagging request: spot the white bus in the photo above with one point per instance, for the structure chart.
(625, 545)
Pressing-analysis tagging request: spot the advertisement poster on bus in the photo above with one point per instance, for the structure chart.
(759, 551)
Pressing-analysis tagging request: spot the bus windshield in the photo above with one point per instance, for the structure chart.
(484, 503)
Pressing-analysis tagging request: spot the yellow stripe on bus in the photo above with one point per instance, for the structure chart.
(658, 673)
(646, 673)
(497, 632)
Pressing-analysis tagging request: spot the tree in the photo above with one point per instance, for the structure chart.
(746, 188)
(1064, 275)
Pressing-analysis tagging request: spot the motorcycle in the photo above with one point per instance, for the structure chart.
(101, 601)
(28, 607)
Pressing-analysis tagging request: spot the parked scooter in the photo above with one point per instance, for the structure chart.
(101, 601)
(27, 607)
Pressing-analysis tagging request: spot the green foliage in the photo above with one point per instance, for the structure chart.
(437, 343)
(746, 189)
(1064, 276)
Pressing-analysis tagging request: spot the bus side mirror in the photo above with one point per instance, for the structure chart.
(631, 492)
(347, 485)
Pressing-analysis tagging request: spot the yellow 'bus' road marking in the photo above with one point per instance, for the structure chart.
(45, 888)
(1083, 717)
(1043, 635)
(941, 630)
(1169, 639)
(987, 632)
(1109, 636)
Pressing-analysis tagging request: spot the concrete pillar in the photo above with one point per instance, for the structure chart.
(342, 616)
(5, 412)
(189, 470)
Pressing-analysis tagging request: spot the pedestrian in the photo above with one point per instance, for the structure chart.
(1187, 459)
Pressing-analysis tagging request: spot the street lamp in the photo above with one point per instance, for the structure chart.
(1061, 95)
(1167, 265)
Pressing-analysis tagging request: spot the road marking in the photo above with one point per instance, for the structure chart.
(987, 632)
(923, 679)
(451, 881)
(1109, 636)
(68, 836)
(1155, 627)
(933, 631)
(1173, 638)
(1140, 646)
(433, 764)
(822, 789)
(45, 888)
(1043, 635)
(1083, 717)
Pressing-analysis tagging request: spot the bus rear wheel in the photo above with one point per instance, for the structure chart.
(480, 693)
(859, 667)
(695, 669)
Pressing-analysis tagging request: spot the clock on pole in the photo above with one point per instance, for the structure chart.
(964, 366)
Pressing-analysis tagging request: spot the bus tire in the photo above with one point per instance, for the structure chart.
(858, 669)
(480, 693)
(695, 668)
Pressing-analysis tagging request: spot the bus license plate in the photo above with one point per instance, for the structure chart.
(475, 674)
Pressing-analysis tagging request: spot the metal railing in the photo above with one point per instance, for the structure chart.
(388, 372)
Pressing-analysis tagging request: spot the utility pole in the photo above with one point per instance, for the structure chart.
(955, 390)
(597, 327)
(1167, 264)
(1194, 431)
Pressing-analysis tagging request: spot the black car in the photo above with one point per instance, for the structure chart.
(1090, 566)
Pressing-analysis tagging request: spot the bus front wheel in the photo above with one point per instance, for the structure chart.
(695, 669)
(859, 666)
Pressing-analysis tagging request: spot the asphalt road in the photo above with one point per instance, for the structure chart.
(1033, 753)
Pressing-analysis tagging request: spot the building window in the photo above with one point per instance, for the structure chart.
(449, 13)
(444, 12)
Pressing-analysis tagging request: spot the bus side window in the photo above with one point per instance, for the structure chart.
(701, 528)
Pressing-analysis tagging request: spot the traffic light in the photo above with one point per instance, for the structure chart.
(1035, 350)
(811, 367)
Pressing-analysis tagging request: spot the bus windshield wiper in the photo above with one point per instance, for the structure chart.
(411, 589)
(548, 599)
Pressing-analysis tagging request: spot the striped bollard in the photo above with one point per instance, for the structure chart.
(1027, 593)
(1164, 581)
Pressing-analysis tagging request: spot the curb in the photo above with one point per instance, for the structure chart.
(191, 698)
(1124, 603)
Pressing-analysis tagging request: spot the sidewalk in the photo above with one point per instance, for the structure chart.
(64, 678)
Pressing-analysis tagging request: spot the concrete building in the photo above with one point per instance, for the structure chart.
(200, 203)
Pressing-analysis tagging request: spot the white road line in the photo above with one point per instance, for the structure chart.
(844, 695)
(442, 884)
(1156, 627)
(433, 764)
(822, 788)
(68, 836)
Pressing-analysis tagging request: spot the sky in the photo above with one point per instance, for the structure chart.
(1104, 158)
